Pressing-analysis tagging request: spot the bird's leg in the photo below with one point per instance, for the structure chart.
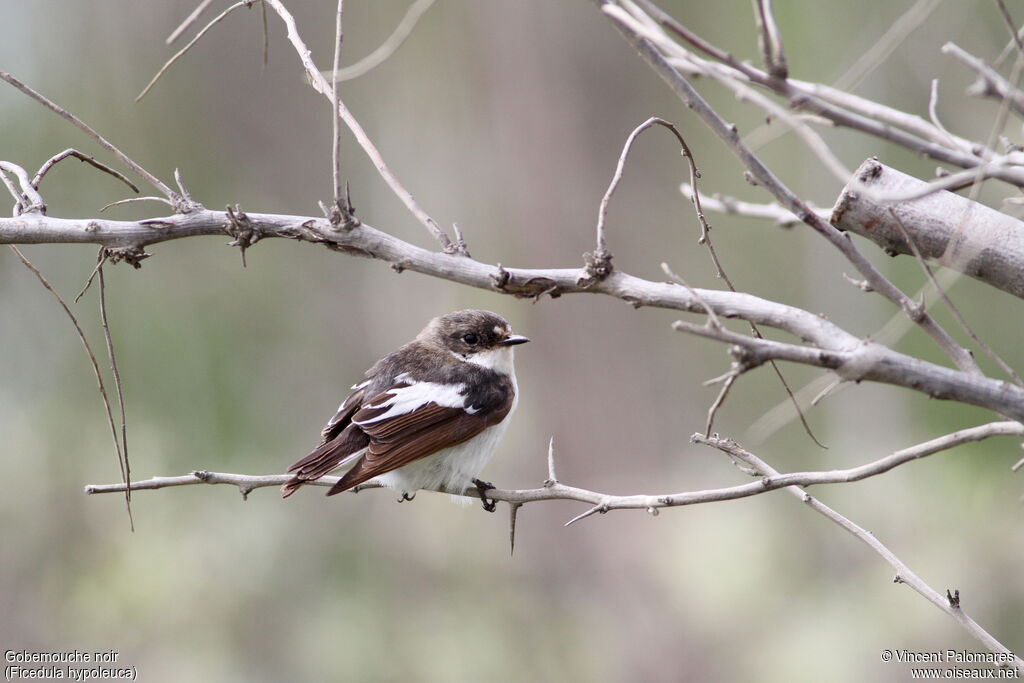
(406, 496)
(481, 488)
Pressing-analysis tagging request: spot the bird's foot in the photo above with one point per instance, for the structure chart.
(406, 496)
(482, 487)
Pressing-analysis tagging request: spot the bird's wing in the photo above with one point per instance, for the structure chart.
(340, 441)
(412, 420)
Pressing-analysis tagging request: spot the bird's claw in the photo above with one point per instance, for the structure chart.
(406, 496)
(481, 488)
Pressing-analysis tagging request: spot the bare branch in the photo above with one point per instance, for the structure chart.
(769, 40)
(903, 573)
(884, 365)
(737, 207)
(28, 199)
(833, 104)
(321, 85)
(989, 83)
(174, 197)
(955, 232)
(705, 239)
(603, 502)
(1004, 366)
(628, 28)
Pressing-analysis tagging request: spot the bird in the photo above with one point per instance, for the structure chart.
(426, 416)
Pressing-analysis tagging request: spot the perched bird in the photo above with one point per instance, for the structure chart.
(427, 416)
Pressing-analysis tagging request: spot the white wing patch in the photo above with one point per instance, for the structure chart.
(405, 400)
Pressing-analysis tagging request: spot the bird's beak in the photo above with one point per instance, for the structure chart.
(513, 339)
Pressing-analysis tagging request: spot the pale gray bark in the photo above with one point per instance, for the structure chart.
(946, 228)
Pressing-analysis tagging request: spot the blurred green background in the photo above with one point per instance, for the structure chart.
(506, 118)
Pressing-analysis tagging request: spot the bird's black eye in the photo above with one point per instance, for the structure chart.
(470, 339)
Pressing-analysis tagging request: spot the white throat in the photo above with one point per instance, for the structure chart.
(500, 359)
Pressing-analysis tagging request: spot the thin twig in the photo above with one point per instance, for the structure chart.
(713, 318)
(92, 275)
(1003, 365)
(339, 36)
(122, 446)
(730, 379)
(893, 38)
(637, 36)
(933, 101)
(387, 48)
(1010, 25)
(838, 106)
(602, 211)
(903, 573)
(52, 161)
(132, 200)
(188, 46)
(173, 196)
(19, 204)
(191, 19)
(266, 33)
(705, 239)
(603, 502)
(990, 83)
(321, 85)
(95, 368)
(28, 199)
(768, 211)
(769, 40)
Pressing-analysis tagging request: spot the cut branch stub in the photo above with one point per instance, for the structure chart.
(946, 228)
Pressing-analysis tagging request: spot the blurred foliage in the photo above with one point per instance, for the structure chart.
(506, 118)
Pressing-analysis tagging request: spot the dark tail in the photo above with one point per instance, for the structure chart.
(324, 458)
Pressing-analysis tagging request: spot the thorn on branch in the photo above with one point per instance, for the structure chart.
(552, 477)
(513, 512)
(242, 229)
(600, 508)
